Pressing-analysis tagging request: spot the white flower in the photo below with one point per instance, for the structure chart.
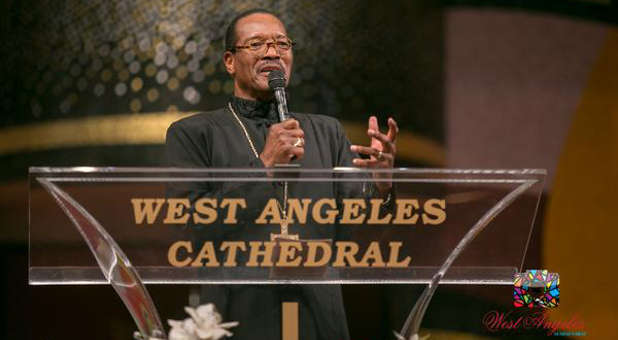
(204, 324)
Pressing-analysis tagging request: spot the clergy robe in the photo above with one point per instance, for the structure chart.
(216, 140)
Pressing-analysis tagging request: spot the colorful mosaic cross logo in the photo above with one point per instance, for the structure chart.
(536, 288)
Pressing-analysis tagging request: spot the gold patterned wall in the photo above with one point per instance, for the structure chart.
(99, 57)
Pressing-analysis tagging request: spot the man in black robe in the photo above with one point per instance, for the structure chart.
(247, 134)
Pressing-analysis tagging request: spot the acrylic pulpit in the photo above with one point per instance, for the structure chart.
(134, 227)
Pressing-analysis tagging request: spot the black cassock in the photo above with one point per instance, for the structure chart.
(216, 140)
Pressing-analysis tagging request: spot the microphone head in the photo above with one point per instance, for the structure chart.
(276, 79)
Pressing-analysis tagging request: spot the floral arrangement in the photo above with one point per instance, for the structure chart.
(204, 324)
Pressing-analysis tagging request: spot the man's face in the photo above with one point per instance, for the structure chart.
(250, 69)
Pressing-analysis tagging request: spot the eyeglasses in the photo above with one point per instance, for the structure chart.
(261, 46)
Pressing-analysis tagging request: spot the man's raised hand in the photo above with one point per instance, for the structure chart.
(381, 150)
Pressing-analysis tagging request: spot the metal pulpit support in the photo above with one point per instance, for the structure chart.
(114, 264)
(411, 328)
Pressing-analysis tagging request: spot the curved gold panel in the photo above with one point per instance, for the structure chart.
(150, 128)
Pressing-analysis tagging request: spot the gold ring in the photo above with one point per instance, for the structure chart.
(380, 156)
(299, 142)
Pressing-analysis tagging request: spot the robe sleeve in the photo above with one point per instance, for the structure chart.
(187, 146)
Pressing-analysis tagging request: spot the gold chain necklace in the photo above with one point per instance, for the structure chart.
(284, 223)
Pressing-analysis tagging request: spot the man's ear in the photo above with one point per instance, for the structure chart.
(228, 61)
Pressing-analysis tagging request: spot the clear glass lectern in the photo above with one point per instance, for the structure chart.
(133, 226)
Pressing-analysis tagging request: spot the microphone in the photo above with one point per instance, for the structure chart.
(276, 82)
